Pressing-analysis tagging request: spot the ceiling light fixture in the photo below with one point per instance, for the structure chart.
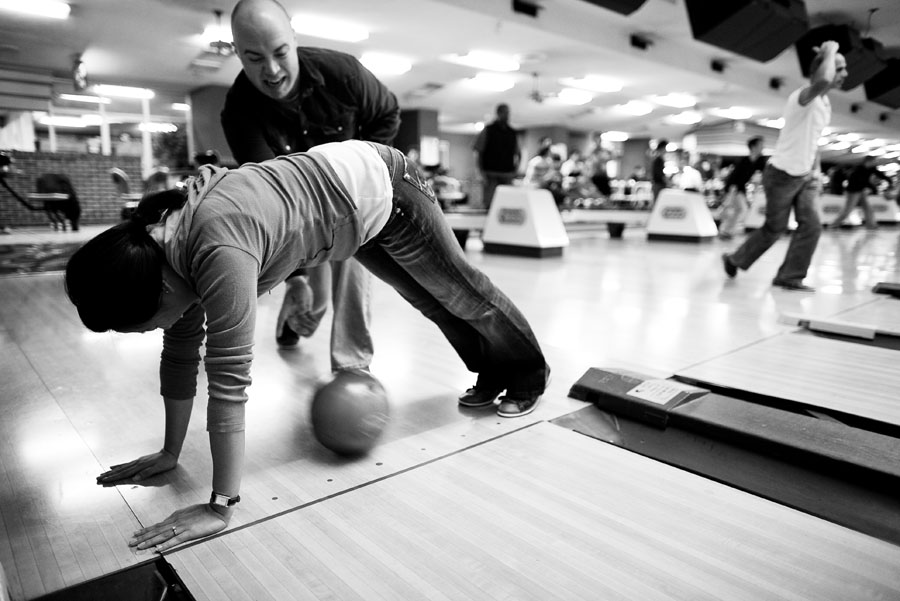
(50, 9)
(614, 136)
(574, 97)
(123, 91)
(637, 108)
(181, 106)
(685, 118)
(675, 100)
(774, 123)
(330, 29)
(481, 59)
(158, 128)
(593, 83)
(838, 146)
(83, 98)
(493, 82)
(385, 64)
(735, 113)
(68, 121)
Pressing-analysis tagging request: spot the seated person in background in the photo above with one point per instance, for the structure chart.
(860, 181)
(538, 168)
(205, 257)
(688, 178)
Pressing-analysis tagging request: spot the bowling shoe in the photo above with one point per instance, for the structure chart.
(517, 407)
(479, 396)
(795, 285)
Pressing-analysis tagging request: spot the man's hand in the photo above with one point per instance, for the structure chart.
(298, 310)
(137, 470)
(182, 526)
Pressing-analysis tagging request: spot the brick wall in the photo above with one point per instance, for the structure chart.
(90, 177)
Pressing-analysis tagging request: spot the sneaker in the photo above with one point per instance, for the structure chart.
(795, 285)
(479, 396)
(517, 407)
(287, 338)
(730, 268)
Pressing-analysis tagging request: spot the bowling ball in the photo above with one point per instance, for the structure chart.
(350, 412)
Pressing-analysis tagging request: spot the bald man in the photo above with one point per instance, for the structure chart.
(286, 100)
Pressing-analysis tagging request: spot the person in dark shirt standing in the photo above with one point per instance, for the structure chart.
(658, 179)
(735, 205)
(498, 154)
(288, 99)
(858, 184)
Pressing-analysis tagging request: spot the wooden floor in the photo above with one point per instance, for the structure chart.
(455, 503)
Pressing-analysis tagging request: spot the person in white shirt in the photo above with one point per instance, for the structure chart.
(791, 178)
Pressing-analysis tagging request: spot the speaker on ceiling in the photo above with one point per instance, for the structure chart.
(625, 7)
(863, 54)
(757, 29)
(884, 87)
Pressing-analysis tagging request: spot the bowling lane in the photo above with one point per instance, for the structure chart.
(543, 513)
(851, 378)
(107, 386)
(57, 527)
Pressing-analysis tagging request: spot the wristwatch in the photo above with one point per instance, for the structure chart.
(223, 500)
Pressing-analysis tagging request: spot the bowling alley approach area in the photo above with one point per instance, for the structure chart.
(692, 444)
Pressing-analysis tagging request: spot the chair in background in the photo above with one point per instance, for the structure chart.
(124, 194)
(58, 199)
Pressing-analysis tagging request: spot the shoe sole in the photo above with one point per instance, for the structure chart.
(476, 405)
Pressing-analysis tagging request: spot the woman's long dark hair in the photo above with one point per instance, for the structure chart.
(115, 279)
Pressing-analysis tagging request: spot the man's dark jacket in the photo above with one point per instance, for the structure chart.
(339, 100)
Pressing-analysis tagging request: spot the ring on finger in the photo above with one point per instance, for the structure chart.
(174, 532)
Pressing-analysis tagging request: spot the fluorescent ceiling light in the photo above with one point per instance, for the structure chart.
(158, 128)
(593, 83)
(83, 98)
(776, 123)
(123, 91)
(462, 128)
(385, 64)
(877, 152)
(484, 60)
(574, 97)
(736, 113)
(330, 29)
(493, 82)
(861, 149)
(614, 136)
(838, 146)
(675, 100)
(637, 108)
(848, 137)
(685, 118)
(50, 9)
(181, 106)
(216, 33)
(64, 121)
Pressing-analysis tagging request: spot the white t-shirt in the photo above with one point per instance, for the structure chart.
(365, 175)
(795, 151)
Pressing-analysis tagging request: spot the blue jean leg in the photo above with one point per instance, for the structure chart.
(351, 340)
(784, 192)
(417, 254)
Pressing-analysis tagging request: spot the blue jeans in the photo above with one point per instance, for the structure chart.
(783, 192)
(417, 254)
